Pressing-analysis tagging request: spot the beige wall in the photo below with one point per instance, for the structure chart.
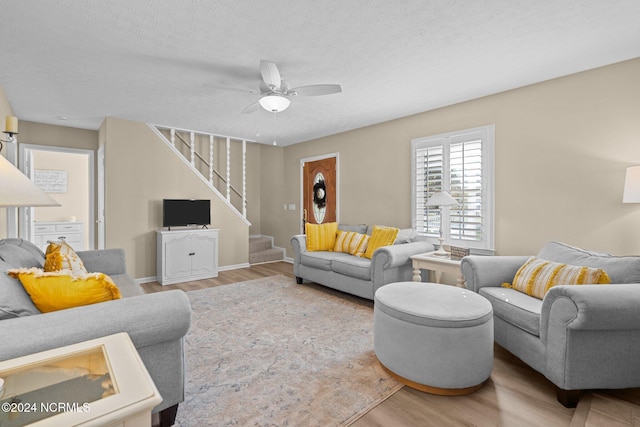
(562, 147)
(58, 136)
(140, 172)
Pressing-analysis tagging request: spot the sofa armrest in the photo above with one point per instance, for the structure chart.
(148, 319)
(299, 245)
(396, 255)
(107, 261)
(592, 307)
(480, 271)
(591, 334)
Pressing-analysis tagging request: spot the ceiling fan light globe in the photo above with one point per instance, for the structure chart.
(274, 103)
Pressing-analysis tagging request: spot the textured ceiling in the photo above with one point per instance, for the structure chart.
(193, 64)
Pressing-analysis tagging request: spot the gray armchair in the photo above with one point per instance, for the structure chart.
(579, 337)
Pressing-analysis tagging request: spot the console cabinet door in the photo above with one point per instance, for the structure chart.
(177, 262)
(187, 255)
(204, 253)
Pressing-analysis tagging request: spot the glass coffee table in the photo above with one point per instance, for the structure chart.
(97, 382)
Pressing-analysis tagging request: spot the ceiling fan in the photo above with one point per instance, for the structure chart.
(275, 92)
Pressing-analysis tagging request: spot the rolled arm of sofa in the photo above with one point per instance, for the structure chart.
(148, 319)
(107, 261)
(480, 271)
(299, 245)
(397, 255)
(592, 307)
(591, 334)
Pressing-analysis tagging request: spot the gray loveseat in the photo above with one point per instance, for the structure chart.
(358, 275)
(579, 337)
(156, 323)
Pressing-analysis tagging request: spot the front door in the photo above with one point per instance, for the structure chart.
(319, 191)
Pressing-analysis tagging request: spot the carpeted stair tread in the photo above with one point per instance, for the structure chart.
(268, 255)
(258, 244)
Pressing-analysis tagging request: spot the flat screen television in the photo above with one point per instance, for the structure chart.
(183, 212)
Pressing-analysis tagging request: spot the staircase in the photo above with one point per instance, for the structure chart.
(261, 250)
(209, 157)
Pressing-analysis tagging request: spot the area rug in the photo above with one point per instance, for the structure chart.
(268, 352)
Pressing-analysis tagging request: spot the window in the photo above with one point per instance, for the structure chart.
(462, 164)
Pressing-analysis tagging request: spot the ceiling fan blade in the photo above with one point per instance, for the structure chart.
(315, 90)
(251, 107)
(270, 74)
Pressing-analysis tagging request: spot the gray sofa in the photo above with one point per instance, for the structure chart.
(358, 275)
(579, 337)
(156, 322)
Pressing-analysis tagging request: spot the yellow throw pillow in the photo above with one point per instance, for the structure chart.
(61, 256)
(51, 291)
(351, 242)
(380, 236)
(537, 276)
(321, 237)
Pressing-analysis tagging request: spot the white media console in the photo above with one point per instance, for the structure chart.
(187, 254)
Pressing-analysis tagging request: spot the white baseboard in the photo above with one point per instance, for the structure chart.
(146, 280)
(233, 267)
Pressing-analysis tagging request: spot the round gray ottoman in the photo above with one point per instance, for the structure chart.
(434, 338)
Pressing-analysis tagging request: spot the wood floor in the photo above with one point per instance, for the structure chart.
(514, 395)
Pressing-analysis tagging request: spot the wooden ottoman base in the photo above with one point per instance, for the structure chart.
(433, 390)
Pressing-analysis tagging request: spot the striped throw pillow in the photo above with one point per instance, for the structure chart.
(380, 236)
(321, 237)
(351, 242)
(537, 276)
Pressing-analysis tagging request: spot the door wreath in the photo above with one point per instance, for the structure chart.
(320, 194)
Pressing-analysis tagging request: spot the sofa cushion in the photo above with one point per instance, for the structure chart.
(380, 236)
(537, 276)
(351, 243)
(127, 285)
(321, 237)
(61, 256)
(318, 259)
(18, 257)
(352, 266)
(621, 269)
(27, 246)
(514, 307)
(360, 228)
(405, 235)
(59, 290)
(14, 300)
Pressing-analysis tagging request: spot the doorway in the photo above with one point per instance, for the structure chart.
(67, 175)
(319, 176)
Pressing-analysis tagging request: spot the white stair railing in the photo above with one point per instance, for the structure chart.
(175, 138)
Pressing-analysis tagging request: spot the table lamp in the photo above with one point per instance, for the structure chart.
(16, 190)
(440, 199)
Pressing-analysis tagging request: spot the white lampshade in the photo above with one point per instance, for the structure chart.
(18, 190)
(274, 103)
(632, 185)
(441, 198)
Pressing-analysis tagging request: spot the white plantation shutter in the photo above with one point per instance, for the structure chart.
(429, 179)
(462, 164)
